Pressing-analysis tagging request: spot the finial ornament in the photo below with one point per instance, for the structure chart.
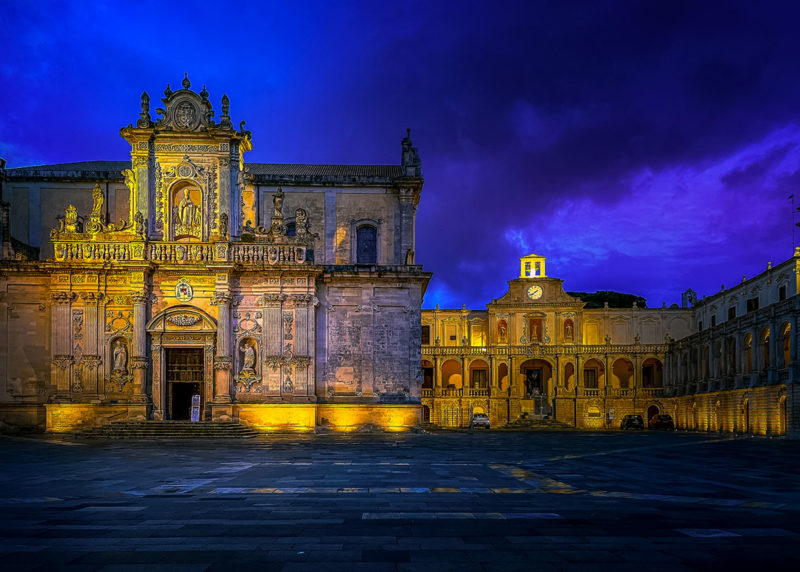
(185, 82)
(144, 117)
(410, 162)
(168, 92)
(204, 93)
(226, 105)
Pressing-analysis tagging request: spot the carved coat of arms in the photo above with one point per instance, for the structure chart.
(184, 115)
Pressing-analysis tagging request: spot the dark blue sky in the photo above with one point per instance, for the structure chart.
(645, 147)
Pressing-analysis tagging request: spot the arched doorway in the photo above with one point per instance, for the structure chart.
(451, 374)
(479, 374)
(536, 377)
(182, 347)
(652, 373)
(426, 414)
(782, 415)
(652, 411)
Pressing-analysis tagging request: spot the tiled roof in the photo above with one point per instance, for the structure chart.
(277, 171)
(114, 166)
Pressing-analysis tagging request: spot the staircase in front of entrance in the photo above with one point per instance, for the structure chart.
(168, 430)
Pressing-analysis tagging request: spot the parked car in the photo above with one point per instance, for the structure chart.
(662, 421)
(480, 420)
(632, 422)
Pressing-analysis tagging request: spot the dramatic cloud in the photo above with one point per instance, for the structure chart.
(645, 147)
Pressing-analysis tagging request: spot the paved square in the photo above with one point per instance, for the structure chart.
(441, 501)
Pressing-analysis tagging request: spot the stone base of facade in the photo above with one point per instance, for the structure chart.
(66, 417)
(308, 417)
(766, 410)
(14, 418)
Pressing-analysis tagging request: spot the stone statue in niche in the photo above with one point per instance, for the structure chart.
(249, 361)
(502, 331)
(568, 332)
(187, 214)
(247, 375)
(120, 358)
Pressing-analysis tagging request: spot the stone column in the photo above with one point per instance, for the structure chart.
(437, 389)
(223, 360)
(139, 354)
(464, 384)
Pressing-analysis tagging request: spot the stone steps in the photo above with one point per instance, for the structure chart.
(168, 430)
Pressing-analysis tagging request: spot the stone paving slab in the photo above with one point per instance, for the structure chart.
(465, 501)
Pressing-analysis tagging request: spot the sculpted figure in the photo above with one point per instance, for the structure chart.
(188, 215)
(71, 219)
(97, 198)
(120, 357)
(568, 331)
(249, 362)
(277, 201)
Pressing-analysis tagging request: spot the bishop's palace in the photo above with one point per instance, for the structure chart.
(287, 298)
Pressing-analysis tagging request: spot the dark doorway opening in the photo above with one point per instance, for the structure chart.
(652, 411)
(184, 379)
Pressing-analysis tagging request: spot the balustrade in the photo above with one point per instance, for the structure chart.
(178, 252)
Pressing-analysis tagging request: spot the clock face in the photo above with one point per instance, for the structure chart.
(535, 292)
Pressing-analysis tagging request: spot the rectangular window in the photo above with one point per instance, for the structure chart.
(731, 312)
(782, 293)
(538, 269)
(700, 326)
(478, 336)
(527, 269)
(426, 335)
(752, 304)
(479, 378)
(713, 321)
(590, 378)
(450, 335)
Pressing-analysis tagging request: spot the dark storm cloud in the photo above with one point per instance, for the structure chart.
(559, 128)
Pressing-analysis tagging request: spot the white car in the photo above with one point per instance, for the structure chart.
(480, 420)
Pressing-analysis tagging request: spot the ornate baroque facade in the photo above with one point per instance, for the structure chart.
(285, 295)
(723, 363)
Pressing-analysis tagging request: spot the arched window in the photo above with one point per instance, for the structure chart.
(291, 229)
(366, 245)
(765, 348)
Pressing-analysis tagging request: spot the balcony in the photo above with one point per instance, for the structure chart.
(652, 392)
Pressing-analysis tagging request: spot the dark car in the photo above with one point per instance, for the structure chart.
(662, 421)
(632, 422)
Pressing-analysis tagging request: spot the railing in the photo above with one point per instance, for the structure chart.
(427, 393)
(132, 247)
(651, 392)
(477, 392)
(591, 392)
(534, 350)
(619, 392)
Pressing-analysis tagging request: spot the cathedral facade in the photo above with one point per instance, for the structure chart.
(285, 296)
